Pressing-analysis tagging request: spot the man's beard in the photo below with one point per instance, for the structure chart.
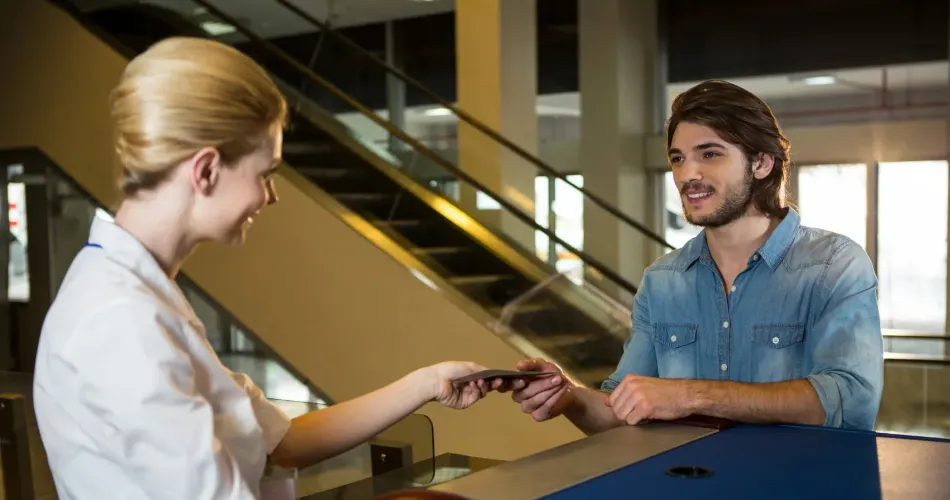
(736, 201)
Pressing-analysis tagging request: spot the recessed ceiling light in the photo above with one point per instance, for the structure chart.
(815, 79)
(820, 80)
(215, 28)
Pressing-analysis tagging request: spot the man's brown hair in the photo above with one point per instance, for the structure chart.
(742, 119)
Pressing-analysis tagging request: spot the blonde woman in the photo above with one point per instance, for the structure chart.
(130, 399)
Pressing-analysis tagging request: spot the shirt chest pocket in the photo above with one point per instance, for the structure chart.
(777, 352)
(676, 349)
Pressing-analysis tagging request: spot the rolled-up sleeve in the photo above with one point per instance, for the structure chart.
(639, 355)
(273, 421)
(141, 406)
(845, 347)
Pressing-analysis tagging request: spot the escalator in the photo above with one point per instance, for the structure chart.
(578, 325)
(562, 321)
(574, 324)
(335, 301)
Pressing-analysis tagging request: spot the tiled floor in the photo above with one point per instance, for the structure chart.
(916, 401)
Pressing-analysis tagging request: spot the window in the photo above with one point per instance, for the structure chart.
(568, 212)
(834, 198)
(912, 245)
(18, 269)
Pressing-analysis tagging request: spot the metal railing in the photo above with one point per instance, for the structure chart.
(904, 357)
(474, 122)
(418, 146)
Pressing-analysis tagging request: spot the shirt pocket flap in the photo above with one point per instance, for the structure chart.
(778, 336)
(674, 335)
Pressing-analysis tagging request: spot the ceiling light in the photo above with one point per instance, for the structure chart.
(820, 80)
(216, 29)
(815, 79)
(438, 112)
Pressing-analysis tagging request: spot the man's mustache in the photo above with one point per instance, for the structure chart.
(696, 186)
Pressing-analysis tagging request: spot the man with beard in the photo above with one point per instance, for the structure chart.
(757, 319)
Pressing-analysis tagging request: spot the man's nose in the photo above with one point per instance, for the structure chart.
(690, 170)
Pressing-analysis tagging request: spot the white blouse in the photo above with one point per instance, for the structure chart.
(131, 400)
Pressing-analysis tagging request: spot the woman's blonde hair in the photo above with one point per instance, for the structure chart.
(183, 94)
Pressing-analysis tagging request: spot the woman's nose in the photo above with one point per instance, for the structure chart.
(271, 191)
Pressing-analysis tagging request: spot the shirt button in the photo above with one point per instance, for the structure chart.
(733, 288)
(775, 340)
(725, 324)
(723, 367)
(673, 338)
(755, 257)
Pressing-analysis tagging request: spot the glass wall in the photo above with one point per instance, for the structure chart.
(835, 198)
(912, 245)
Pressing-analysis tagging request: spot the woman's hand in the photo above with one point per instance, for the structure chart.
(459, 396)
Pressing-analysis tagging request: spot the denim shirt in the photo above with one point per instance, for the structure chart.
(804, 307)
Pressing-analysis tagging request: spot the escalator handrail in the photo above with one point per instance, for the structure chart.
(415, 144)
(471, 120)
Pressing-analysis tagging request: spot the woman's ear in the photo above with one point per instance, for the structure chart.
(205, 170)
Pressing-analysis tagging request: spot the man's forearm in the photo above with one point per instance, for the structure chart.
(792, 402)
(587, 411)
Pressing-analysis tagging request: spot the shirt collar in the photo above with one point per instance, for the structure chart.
(781, 239)
(121, 247)
(772, 251)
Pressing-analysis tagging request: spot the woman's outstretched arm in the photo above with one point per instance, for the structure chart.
(322, 434)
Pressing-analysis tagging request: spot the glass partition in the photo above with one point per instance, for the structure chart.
(410, 442)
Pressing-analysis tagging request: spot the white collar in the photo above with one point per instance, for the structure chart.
(119, 246)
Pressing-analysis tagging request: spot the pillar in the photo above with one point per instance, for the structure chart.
(496, 71)
(620, 89)
(395, 88)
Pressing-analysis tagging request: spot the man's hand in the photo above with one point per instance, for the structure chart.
(543, 398)
(646, 398)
